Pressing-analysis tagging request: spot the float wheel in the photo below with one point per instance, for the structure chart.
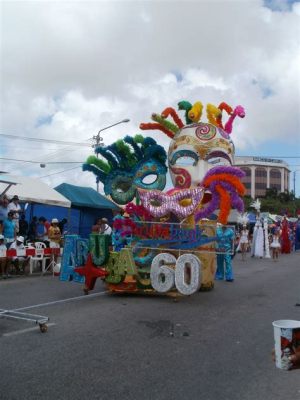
(43, 328)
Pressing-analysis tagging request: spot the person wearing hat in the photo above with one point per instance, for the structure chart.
(3, 259)
(105, 229)
(101, 226)
(54, 233)
(19, 262)
(9, 229)
(16, 208)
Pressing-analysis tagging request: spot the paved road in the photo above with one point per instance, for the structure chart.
(212, 346)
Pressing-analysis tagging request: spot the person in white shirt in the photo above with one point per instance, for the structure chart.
(105, 229)
(19, 261)
(16, 208)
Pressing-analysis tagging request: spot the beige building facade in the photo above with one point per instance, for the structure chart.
(263, 173)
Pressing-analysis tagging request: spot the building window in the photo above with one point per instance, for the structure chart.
(260, 185)
(260, 173)
(275, 174)
(247, 185)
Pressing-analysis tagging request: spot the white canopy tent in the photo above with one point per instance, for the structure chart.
(31, 190)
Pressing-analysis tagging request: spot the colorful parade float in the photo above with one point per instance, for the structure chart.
(162, 241)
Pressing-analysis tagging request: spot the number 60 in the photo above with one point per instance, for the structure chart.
(186, 277)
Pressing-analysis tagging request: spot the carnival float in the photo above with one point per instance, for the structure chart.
(162, 241)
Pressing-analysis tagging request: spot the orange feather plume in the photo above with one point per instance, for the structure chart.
(170, 111)
(224, 204)
(154, 126)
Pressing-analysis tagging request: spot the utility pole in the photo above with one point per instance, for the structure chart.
(99, 139)
(294, 182)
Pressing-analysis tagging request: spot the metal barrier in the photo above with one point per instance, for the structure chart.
(37, 319)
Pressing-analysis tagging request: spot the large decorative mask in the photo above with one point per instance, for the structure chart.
(132, 163)
(196, 146)
(201, 154)
(193, 150)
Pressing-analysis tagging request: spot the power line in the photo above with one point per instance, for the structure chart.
(25, 147)
(53, 153)
(59, 172)
(31, 139)
(41, 162)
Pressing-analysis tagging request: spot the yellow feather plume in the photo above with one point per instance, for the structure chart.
(213, 113)
(195, 112)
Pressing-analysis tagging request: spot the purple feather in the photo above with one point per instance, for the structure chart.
(212, 206)
(237, 202)
(225, 169)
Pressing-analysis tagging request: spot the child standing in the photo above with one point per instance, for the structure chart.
(244, 242)
(275, 245)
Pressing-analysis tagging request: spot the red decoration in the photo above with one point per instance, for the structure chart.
(139, 211)
(90, 272)
(285, 240)
(154, 126)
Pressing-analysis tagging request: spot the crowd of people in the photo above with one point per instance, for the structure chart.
(16, 233)
(260, 241)
(283, 237)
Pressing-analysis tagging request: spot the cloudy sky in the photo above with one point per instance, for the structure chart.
(71, 68)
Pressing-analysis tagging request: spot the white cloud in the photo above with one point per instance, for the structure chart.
(71, 68)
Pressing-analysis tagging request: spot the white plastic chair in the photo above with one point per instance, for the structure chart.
(53, 263)
(39, 257)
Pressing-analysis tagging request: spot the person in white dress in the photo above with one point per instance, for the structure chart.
(259, 241)
(244, 242)
(275, 245)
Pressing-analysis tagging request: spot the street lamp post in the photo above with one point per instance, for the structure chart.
(99, 140)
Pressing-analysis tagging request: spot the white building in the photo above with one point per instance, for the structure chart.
(263, 173)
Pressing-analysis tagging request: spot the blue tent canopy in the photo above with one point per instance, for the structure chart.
(87, 205)
(85, 197)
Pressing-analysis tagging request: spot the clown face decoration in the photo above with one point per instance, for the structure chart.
(193, 150)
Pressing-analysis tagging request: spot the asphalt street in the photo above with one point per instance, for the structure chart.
(213, 346)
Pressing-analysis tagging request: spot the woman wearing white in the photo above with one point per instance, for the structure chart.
(244, 242)
(275, 245)
(259, 241)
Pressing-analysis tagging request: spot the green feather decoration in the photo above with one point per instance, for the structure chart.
(167, 124)
(124, 149)
(102, 165)
(185, 105)
(139, 139)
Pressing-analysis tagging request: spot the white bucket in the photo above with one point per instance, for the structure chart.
(56, 269)
(286, 335)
